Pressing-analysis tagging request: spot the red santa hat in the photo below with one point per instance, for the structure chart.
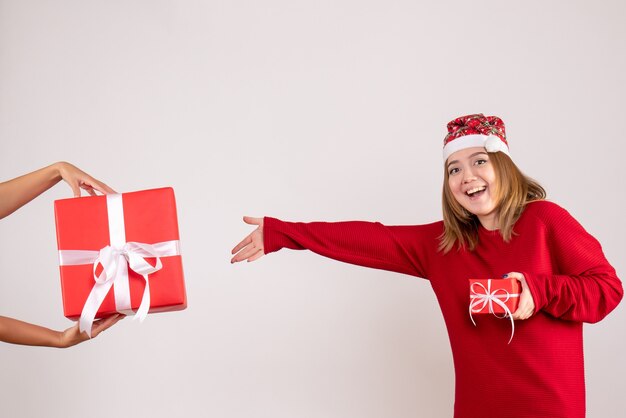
(475, 131)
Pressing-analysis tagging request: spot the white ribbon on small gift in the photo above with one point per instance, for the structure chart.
(486, 297)
(116, 259)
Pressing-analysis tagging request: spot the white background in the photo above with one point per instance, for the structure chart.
(319, 110)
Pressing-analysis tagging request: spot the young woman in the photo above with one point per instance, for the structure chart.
(13, 195)
(495, 223)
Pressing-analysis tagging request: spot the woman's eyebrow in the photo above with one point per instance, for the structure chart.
(471, 156)
(452, 162)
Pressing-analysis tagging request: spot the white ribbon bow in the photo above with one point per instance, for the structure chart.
(487, 298)
(131, 255)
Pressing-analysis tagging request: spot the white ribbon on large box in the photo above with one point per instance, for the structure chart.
(116, 258)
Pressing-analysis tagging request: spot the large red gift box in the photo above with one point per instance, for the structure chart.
(143, 222)
(485, 292)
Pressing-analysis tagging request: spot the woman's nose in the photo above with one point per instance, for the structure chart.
(468, 176)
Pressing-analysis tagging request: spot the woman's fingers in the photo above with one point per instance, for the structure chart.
(78, 179)
(75, 189)
(522, 310)
(99, 186)
(103, 188)
(526, 306)
(253, 221)
(90, 184)
(89, 190)
(247, 240)
(258, 255)
(73, 336)
(246, 253)
(105, 323)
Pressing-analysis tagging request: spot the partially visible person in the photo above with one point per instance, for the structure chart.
(16, 193)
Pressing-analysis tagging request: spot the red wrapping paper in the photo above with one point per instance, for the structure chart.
(149, 217)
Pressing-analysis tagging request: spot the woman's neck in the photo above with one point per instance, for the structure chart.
(489, 222)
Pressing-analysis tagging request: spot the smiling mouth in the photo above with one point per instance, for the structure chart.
(476, 191)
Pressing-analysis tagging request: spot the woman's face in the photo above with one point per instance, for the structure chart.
(472, 180)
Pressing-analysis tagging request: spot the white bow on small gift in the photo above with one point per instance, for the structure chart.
(485, 297)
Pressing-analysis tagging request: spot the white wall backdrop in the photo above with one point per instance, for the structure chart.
(303, 110)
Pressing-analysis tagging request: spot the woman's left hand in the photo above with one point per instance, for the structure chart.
(526, 306)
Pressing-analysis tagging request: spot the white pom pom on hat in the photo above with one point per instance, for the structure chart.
(495, 144)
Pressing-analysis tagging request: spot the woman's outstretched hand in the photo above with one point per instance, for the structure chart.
(526, 306)
(251, 247)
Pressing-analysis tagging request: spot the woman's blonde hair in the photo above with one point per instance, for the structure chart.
(513, 190)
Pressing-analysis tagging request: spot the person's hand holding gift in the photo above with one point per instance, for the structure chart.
(16, 193)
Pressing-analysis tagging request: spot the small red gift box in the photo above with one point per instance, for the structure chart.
(119, 253)
(491, 295)
(499, 297)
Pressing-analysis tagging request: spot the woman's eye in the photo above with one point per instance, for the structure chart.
(453, 171)
(481, 162)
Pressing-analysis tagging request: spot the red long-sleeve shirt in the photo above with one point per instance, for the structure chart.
(541, 372)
